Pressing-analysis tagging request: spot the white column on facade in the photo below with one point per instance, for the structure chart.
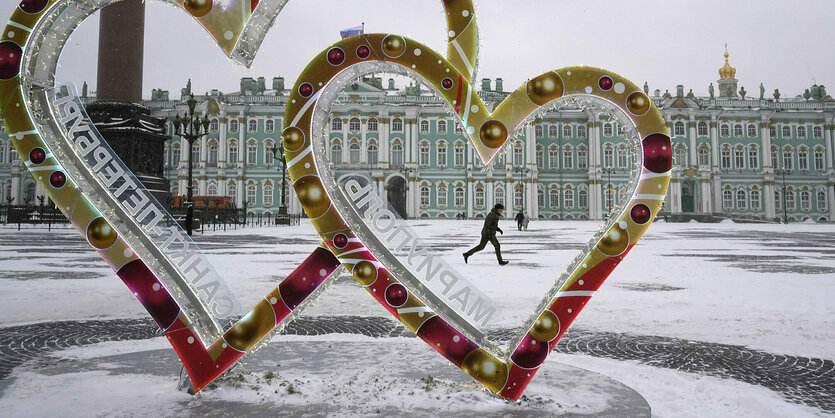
(16, 185)
(717, 192)
(706, 194)
(413, 139)
(768, 170)
(345, 145)
(239, 199)
(489, 193)
(714, 142)
(595, 191)
(768, 198)
(221, 155)
(675, 192)
(509, 194)
(829, 145)
(201, 174)
(364, 141)
(766, 148)
(694, 154)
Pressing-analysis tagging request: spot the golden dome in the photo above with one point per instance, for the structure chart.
(727, 71)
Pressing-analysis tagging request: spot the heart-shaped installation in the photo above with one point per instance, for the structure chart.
(411, 300)
(129, 229)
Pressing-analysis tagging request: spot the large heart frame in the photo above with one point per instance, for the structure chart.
(415, 306)
(34, 38)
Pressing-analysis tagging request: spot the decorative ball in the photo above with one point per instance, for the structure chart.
(531, 353)
(340, 240)
(446, 83)
(396, 295)
(336, 56)
(605, 83)
(446, 339)
(615, 241)
(306, 90)
(198, 8)
(10, 55)
(638, 103)
(493, 133)
(658, 153)
(312, 196)
(486, 369)
(394, 46)
(37, 155)
(640, 213)
(545, 88)
(150, 292)
(365, 272)
(293, 138)
(363, 51)
(546, 327)
(251, 328)
(33, 6)
(57, 179)
(100, 234)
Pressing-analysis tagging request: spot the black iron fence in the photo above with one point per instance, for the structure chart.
(31, 215)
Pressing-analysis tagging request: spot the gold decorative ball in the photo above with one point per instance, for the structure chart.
(293, 138)
(637, 103)
(545, 88)
(546, 327)
(312, 196)
(365, 272)
(493, 133)
(100, 234)
(615, 241)
(198, 8)
(251, 328)
(394, 46)
(486, 369)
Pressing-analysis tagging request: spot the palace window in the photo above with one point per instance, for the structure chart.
(195, 153)
(336, 124)
(817, 132)
(726, 158)
(336, 153)
(459, 155)
(424, 127)
(802, 159)
(175, 155)
(442, 157)
(517, 155)
(790, 199)
(581, 131)
(567, 158)
(787, 131)
(459, 197)
(213, 155)
(607, 129)
(739, 158)
(772, 131)
(724, 131)
(540, 157)
(755, 200)
(805, 202)
(232, 191)
(518, 197)
(753, 157)
(269, 126)
(678, 129)
(251, 154)
(268, 195)
(583, 199)
(821, 201)
(738, 130)
(498, 195)
(555, 198)
(250, 194)
(787, 158)
(610, 196)
(681, 157)
(819, 159)
(354, 125)
(569, 199)
(704, 156)
(552, 131)
(441, 127)
(442, 196)
(372, 154)
(566, 131)
(233, 153)
(752, 130)
(397, 155)
(479, 196)
(252, 125)
(233, 125)
(372, 125)
(702, 129)
(740, 199)
(268, 153)
(582, 158)
(801, 132)
(727, 200)
(537, 131)
(608, 157)
(424, 154)
(397, 125)
(211, 190)
(540, 199)
(214, 125)
(553, 159)
(424, 196)
(354, 153)
(459, 129)
(774, 157)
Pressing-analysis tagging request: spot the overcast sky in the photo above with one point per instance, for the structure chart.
(782, 44)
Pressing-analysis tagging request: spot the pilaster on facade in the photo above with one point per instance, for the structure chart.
(693, 151)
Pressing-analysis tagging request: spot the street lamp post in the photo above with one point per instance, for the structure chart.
(278, 154)
(523, 171)
(190, 127)
(610, 198)
(407, 173)
(782, 173)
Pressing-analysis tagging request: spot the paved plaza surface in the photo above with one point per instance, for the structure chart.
(723, 308)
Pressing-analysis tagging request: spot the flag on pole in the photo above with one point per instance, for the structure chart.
(356, 30)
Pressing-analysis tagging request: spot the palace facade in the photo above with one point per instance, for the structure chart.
(736, 156)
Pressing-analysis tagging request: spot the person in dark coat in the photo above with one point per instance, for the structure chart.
(488, 233)
(520, 218)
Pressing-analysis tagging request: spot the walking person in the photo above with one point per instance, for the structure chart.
(525, 222)
(488, 233)
(520, 218)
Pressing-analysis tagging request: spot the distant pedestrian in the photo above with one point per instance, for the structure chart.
(488, 233)
(525, 222)
(520, 218)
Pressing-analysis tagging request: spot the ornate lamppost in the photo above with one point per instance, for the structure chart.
(278, 154)
(407, 173)
(610, 197)
(782, 172)
(190, 127)
(523, 171)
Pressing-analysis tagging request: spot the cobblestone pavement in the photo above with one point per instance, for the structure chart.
(808, 381)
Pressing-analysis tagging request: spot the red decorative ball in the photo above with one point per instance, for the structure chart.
(396, 295)
(530, 353)
(340, 241)
(37, 155)
(363, 51)
(640, 213)
(336, 56)
(605, 83)
(306, 90)
(658, 153)
(444, 338)
(446, 83)
(57, 179)
(10, 54)
(33, 6)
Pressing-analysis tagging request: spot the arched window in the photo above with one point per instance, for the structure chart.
(583, 198)
(805, 202)
(442, 155)
(29, 193)
(211, 190)
(726, 158)
(498, 195)
(424, 196)
(581, 131)
(424, 127)
(459, 197)
(801, 132)
(755, 200)
(623, 156)
(252, 153)
(441, 127)
(821, 195)
(802, 158)
(442, 196)
(774, 160)
(479, 196)
(214, 125)
(232, 191)
(252, 125)
(354, 124)
(175, 188)
(336, 153)
(582, 158)
(268, 195)
(459, 154)
(372, 125)
(608, 157)
(724, 130)
(195, 152)
(354, 153)
(233, 125)
(566, 131)
(727, 200)
(250, 194)
(681, 157)
(423, 154)
(212, 155)
(817, 132)
(517, 155)
(787, 158)
(787, 131)
(740, 199)
(819, 153)
(540, 199)
(540, 157)
(233, 153)
(552, 131)
(372, 153)
(738, 130)
(790, 199)
(753, 157)
(518, 197)
(397, 155)
(397, 125)
(752, 130)
(702, 129)
(704, 156)
(553, 158)
(175, 155)
(568, 158)
(569, 198)
(268, 153)
(678, 129)
(772, 131)
(739, 158)
(269, 126)
(607, 129)
(555, 198)
(336, 124)
(537, 131)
